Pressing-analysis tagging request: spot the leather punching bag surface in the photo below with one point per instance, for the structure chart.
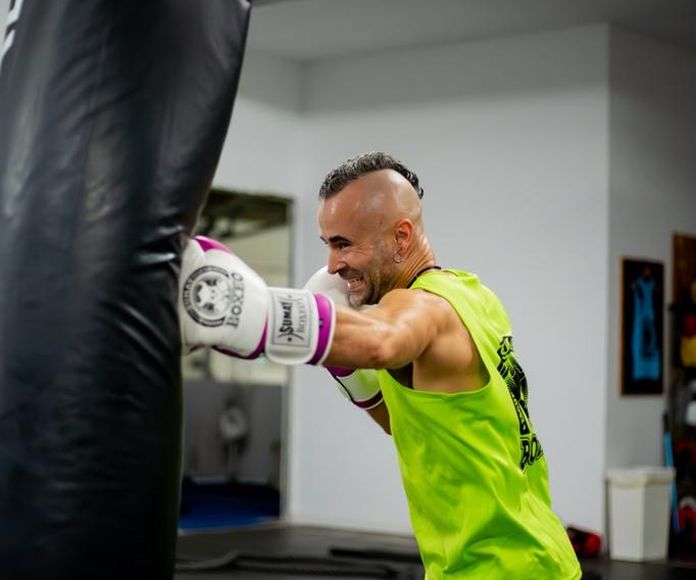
(112, 117)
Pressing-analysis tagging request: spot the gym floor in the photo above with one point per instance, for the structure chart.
(279, 551)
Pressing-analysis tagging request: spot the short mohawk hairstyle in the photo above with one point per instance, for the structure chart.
(356, 167)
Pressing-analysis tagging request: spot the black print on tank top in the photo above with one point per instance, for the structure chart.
(516, 381)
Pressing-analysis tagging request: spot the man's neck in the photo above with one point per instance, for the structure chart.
(415, 265)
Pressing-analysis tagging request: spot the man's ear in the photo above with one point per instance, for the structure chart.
(403, 234)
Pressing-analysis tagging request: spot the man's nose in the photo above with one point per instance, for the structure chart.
(334, 264)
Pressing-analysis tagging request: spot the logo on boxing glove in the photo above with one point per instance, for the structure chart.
(214, 297)
(293, 314)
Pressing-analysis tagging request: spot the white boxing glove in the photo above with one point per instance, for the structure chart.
(331, 285)
(226, 305)
(360, 386)
(222, 302)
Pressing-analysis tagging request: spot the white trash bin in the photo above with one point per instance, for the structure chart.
(639, 512)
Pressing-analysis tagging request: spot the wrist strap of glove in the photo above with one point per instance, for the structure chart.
(300, 326)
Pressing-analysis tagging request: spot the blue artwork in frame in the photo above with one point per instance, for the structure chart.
(642, 324)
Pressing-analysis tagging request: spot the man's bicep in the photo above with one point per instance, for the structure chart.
(389, 335)
(417, 319)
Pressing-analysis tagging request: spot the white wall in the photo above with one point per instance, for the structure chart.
(653, 149)
(510, 140)
(263, 152)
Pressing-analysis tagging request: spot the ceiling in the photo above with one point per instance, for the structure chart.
(309, 30)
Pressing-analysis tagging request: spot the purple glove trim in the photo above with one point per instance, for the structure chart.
(210, 244)
(339, 371)
(369, 403)
(325, 310)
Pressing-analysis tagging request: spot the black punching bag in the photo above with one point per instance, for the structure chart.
(112, 117)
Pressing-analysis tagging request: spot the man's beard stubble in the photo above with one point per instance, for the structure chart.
(378, 281)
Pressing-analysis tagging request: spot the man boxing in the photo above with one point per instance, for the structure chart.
(435, 368)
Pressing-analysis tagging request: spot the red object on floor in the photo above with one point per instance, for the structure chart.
(687, 521)
(586, 543)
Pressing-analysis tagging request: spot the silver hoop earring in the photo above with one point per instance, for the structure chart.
(398, 258)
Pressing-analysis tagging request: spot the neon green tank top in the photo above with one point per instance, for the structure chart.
(473, 469)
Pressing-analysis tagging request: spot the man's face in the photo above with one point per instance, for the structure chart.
(353, 228)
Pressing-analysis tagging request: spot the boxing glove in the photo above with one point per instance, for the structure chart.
(360, 386)
(224, 304)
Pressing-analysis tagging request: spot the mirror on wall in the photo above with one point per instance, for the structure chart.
(233, 407)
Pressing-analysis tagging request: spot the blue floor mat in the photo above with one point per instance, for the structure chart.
(216, 506)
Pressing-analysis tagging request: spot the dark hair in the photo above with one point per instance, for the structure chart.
(356, 167)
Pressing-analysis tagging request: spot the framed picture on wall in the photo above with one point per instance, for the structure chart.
(642, 324)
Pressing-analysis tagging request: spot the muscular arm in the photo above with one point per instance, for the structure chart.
(394, 333)
(409, 326)
(390, 335)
